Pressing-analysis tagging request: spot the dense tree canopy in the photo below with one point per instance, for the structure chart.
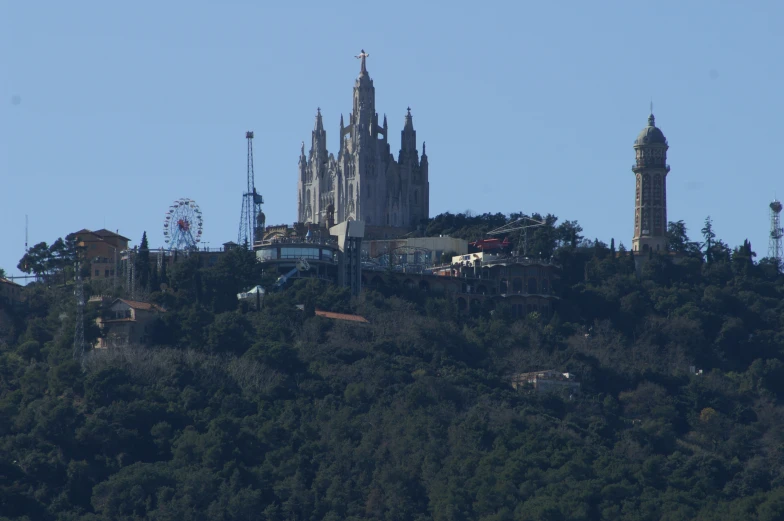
(279, 414)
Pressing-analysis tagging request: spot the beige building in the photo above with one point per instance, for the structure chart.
(413, 250)
(102, 249)
(127, 322)
(11, 293)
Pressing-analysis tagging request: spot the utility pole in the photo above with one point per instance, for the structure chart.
(78, 352)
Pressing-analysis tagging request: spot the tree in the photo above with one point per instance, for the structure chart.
(36, 260)
(709, 236)
(142, 264)
(2, 273)
(678, 240)
(568, 234)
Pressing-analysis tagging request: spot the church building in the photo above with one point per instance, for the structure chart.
(365, 182)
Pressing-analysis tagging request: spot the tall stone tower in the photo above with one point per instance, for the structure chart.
(650, 199)
(364, 182)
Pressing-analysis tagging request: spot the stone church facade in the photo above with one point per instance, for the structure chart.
(365, 182)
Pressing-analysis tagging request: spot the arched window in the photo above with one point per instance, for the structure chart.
(532, 286)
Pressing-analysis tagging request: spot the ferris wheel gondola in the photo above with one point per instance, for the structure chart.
(182, 225)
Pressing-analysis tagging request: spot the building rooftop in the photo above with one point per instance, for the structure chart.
(145, 306)
(337, 316)
(650, 135)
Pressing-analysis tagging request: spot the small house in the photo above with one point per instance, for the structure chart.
(127, 322)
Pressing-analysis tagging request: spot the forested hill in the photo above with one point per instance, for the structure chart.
(284, 415)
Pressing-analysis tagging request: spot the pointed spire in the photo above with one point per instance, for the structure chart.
(302, 150)
(424, 153)
(319, 124)
(341, 121)
(409, 125)
(385, 121)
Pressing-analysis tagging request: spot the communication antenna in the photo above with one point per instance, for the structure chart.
(78, 352)
(251, 218)
(522, 224)
(776, 233)
(26, 249)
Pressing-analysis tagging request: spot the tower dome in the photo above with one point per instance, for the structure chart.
(650, 135)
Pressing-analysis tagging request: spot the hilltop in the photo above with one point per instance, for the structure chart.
(235, 414)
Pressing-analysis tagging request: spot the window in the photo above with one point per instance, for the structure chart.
(97, 273)
(296, 253)
(105, 273)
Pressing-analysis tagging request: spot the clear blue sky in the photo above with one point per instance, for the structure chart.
(109, 111)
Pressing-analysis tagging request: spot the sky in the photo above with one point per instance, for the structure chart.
(110, 111)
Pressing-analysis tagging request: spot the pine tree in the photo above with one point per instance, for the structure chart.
(709, 236)
(143, 264)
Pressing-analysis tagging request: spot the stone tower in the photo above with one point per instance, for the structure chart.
(650, 199)
(364, 182)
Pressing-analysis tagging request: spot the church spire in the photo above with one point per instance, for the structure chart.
(319, 127)
(409, 124)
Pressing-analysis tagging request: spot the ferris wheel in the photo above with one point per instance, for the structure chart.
(182, 225)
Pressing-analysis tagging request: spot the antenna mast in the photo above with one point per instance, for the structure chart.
(251, 218)
(776, 232)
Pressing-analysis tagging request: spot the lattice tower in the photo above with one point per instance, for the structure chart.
(776, 232)
(251, 217)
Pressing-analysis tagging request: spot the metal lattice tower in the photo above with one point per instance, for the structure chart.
(252, 218)
(522, 224)
(78, 352)
(776, 232)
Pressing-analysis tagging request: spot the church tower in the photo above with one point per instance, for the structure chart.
(650, 200)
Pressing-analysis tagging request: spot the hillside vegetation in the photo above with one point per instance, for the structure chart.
(283, 415)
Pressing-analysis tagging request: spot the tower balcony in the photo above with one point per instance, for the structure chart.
(637, 167)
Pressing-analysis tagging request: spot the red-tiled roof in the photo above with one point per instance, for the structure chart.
(341, 316)
(99, 235)
(135, 304)
(103, 232)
